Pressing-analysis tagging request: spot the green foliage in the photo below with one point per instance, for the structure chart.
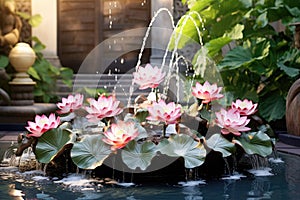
(3, 61)
(259, 61)
(46, 75)
(42, 71)
(33, 20)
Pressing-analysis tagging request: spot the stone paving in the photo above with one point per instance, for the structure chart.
(10, 136)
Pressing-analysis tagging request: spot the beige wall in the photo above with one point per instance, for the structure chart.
(47, 30)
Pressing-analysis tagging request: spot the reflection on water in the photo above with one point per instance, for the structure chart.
(31, 186)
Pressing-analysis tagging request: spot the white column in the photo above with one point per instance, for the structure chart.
(47, 30)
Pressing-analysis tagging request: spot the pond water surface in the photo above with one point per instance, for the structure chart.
(284, 184)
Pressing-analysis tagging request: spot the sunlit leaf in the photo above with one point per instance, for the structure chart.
(35, 20)
(236, 33)
(214, 46)
(32, 72)
(261, 20)
(90, 152)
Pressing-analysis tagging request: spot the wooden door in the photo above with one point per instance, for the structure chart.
(83, 24)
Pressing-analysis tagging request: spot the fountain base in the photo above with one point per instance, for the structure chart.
(15, 117)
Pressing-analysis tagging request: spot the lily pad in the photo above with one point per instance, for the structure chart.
(256, 143)
(182, 145)
(218, 143)
(52, 143)
(90, 152)
(136, 155)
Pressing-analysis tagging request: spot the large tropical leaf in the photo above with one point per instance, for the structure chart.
(214, 46)
(90, 152)
(138, 155)
(52, 143)
(290, 71)
(182, 145)
(236, 58)
(218, 143)
(273, 106)
(243, 56)
(256, 143)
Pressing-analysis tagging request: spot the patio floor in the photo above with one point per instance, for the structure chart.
(10, 136)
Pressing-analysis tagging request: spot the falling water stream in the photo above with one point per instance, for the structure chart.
(173, 65)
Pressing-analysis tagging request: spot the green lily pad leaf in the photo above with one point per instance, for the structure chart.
(256, 143)
(182, 145)
(90, 152)
(136, 155)
(218, 143)
(52, 143)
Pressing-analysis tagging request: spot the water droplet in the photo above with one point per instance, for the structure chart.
(122, 60)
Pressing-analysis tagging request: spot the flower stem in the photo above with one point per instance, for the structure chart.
(164, 130)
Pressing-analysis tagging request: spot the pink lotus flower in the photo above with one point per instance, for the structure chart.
(120, 134)
(244, 107)
(42, 124)
(70, 104)
(148, 77)
(207, 92)
(231, 122)
(102, 108)
(167, 113)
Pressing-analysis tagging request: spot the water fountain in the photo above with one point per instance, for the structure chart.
(93, 181)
